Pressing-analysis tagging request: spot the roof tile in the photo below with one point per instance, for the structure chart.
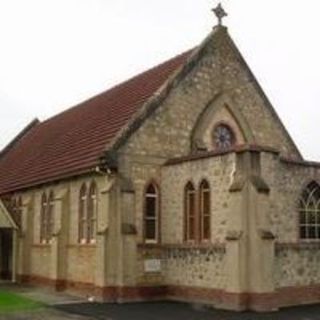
(72, 141)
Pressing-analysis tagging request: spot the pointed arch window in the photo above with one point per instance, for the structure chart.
(309, 212)
(82, 213)
(16, 209)
(46, 217)
(205, 215)
(19, 211)
(151, 214)
(92, 213)
(87, 213)
(43, 218)
(50, 216)
(190, 212)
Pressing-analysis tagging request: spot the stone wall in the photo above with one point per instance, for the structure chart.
(218, 172)
(183, 266)
(81, 263)
(296, 261)
(198, 265)
(41, 261)
(297, 265)
(194, 267)
(217, 71)
(287, 181)
(73, 261)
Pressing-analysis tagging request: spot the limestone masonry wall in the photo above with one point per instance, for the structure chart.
(296, 261)
(218, 172)
(219, 71)
(297, 266)
(194, 267)
(74, 261)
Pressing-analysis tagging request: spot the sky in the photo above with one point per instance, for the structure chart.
(57, 53)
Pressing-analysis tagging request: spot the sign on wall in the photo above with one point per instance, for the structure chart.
(152, 265)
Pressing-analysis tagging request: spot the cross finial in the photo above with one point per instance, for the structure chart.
(220, 13)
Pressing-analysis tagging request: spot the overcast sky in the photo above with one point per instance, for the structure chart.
(56, 53)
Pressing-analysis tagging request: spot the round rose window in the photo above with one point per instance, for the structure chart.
(223, 136)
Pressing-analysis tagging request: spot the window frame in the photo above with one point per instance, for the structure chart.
(311, 189)
(82, 221)
(204, 187)
(189, 190)
(156, 218)
(92, 213)
(227, 126)
(16, 207)
(47, 218)
(87, 214)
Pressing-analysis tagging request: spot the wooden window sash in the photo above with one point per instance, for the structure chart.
(154, 218)
(190, 215)
(204, 216)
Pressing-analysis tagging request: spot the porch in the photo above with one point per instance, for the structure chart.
(8, 246)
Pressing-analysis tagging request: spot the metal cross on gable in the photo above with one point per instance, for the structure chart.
(220, 13)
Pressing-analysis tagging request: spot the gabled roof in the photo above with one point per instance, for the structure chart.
(72, 142)
(6, 219)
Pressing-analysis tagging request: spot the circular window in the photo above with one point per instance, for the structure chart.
(223, 136)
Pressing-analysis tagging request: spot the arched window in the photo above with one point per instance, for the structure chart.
(151, 214)
(92, 213)
(205, 210)
(19, 211)
(309, 212)
(87, 213)
(50, 216)
(83, 214)
(13, 205)
(223, 136)
(190, 212)
(46, 217)
(16, 209)
(43, 218)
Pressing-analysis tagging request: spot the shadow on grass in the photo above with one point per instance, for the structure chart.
(11, 302)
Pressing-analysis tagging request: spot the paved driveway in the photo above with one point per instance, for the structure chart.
(181, 311)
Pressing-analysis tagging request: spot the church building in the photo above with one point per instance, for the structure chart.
(181, 183)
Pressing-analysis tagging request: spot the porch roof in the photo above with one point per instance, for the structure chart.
(6, 220)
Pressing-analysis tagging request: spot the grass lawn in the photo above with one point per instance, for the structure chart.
(10, 302)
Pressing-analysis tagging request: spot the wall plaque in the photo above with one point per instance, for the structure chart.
(152, 265)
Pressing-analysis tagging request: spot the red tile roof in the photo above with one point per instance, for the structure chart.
(72, 142)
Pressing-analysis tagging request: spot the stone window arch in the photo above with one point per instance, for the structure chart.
(151, 213)
(309, 212)
(205, 210)
(190, 212)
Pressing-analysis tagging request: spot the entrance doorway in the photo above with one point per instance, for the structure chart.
(6, 246)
